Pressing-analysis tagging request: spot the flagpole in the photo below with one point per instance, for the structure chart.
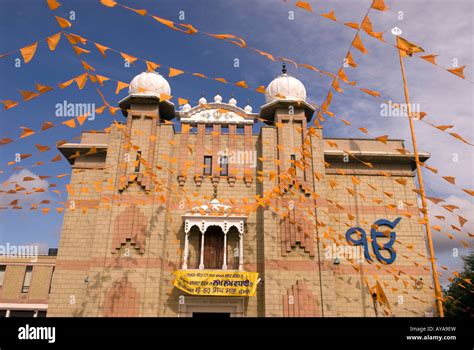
(439, 296)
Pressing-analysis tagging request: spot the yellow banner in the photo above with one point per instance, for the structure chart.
(216, 282)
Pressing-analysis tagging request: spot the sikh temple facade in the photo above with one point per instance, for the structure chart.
(210, 192)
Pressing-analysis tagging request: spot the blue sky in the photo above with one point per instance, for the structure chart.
(441, 27)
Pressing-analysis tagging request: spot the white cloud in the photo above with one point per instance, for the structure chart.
(27, 196)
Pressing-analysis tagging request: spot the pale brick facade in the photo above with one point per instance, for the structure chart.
(123, 233)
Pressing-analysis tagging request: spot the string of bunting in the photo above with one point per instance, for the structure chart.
(366, 25)
(259, 201)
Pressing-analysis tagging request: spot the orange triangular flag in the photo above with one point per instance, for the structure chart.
(56, 158)
(430, 58)
(66, 83)
(346, 122)
(120, 85)
(304, 5)
(382, 139)
(101, 48)
(221, 80)
(453, 134)
(182, 101)
(379, 5)
(342, 75)
(78, 50)
(71, 123)
(46, 126)
(151, 66)
(42, 148)
(370, 92)
(433, 170)
(75, 39)
(350, 61)
(443, 127)
(42, 88)
(63, 23)
(81, 80)
(408, 47)
(335, 86)
(367, 25)
(357, 43)
(108, 3)
(165, 97)
(28, 52)
(28, 95)
(401, 181)
(140, 12)
(174, 72)
(469, 192)
(26, 132)
(101, 79)
(457, 71)
(377, 35)
(242, 84)
(53, 41)
(352, 25)
(87, 66)
(329, 15)
(164, 21)
(82, 118)
(53, 4)
(7, 104)
(450, 179)
(128, 58)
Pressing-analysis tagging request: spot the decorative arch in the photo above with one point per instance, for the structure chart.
(130, 225)
(122, 300)
(213, 214)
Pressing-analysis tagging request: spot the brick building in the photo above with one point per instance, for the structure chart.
(25, 284)
(218, 190)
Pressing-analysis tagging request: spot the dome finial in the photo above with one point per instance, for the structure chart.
(283, 68)
(202, 100)
(232, 101)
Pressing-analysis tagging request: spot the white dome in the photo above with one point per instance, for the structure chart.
(187, 107)
(149, 83)
(233, 102)
(218, 98)
(285, 87)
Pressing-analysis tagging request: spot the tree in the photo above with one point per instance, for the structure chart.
(459, 296)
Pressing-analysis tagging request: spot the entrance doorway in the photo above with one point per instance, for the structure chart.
(212, 307)
(211, 314)
(214, 248)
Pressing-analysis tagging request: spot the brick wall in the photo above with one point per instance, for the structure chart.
(97, 259)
